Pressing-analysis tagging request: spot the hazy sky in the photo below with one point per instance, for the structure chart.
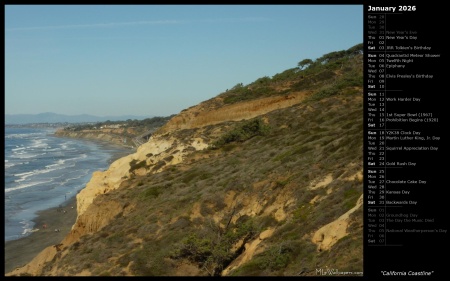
(154, 59)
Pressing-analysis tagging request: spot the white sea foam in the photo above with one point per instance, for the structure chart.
(58, 163)
(82, 156)
(22, 186)
(67, 146)
(39, 144)
(21, 136)
(42, 182)
(24, 174)
(51, 165)
(48, 169)
(27, 227)
(26, 155)
(49, 149)
(10, 164)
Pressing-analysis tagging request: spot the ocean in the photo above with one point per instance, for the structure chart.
(43, 171)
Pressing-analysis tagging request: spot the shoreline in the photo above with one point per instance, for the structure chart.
(21, 251)
(121, 150)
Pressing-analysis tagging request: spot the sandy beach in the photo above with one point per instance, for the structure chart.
(21, 251)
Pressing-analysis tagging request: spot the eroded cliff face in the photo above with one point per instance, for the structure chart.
(165, 146)
(281, 203)
(157, 149)
(282, 197)
(166, 149)
(214, 111)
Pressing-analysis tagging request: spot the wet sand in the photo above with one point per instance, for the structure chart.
(20, 252)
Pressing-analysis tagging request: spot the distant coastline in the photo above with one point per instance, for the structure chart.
(50, 117)
(39, 125)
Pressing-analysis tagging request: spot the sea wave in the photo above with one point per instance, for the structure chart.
(27, 227)
(39, 143)
(22, 136)
(82, 156)
(48, 169)
(22, 186)
(48, 178)
(26, 155)
(50, 149)
(10, 164)
(57, 164)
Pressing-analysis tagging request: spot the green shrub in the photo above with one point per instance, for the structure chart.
(243, 132)
(151, 192)
(134, 165)
(212, 250)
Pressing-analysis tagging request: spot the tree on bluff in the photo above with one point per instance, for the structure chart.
(304, 63)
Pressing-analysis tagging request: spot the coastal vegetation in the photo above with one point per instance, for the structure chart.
(137, 125)
(329, 74)
(248, 196)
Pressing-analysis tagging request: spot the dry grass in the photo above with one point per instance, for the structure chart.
(195, 214)
(287, 160)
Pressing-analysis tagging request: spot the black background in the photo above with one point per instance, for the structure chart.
(416, 252)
